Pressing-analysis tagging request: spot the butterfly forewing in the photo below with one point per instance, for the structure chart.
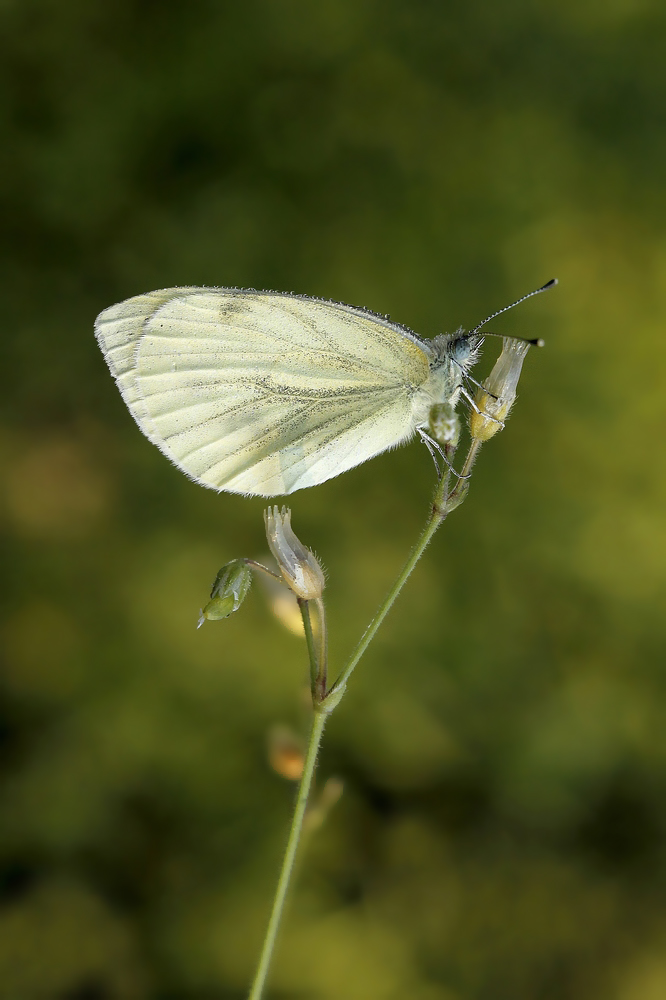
(258, 392)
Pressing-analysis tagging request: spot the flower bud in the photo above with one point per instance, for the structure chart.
(229, 591)
(497, 396)
(444, 425)
(299, 567)
(286, 754)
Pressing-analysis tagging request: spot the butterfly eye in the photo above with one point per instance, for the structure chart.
(460, 349)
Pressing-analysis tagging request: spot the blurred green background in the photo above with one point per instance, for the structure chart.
(502, 831)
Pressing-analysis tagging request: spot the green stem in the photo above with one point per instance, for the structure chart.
(442, 504)
(369, 634)
(253, 564)
(309, 639)
(322, 675)
(318, 723)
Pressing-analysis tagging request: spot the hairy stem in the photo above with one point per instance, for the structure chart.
(315, 666)
(322, 676)
(318, 723)
(443, 503)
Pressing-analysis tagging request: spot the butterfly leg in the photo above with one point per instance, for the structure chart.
(434, 446)
(482, 413)
(430, 445)
(470, 378)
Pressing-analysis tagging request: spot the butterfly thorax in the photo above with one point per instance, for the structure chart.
(451, 357)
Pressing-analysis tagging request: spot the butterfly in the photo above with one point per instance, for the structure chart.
(264, 393)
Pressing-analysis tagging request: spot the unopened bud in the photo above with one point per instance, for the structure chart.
(497, 396)
(444, 425)
(285, 753)
(298, 566)
(229, 591)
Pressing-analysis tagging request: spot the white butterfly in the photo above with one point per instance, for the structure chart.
(265, 393)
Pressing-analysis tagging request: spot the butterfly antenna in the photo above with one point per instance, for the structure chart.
(537, 291)
(532, 341)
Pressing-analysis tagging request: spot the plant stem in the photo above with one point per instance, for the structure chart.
(322, 675)
(318, 723)
(443, 503)
(309, 639)
(253, 564)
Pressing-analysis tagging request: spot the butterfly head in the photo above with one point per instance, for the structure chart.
(463, 348)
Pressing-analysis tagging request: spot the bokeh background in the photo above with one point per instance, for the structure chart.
(501, 834)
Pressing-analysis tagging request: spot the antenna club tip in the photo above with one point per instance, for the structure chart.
(538, 342)
(551, 283)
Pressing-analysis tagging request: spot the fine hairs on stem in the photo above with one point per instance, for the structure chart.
(300, 570)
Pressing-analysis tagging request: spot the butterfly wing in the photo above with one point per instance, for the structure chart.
(259, 392)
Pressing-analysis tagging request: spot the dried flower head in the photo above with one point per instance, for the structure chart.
(498, 394)
(298, 565)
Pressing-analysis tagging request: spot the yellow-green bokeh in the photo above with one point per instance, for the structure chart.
(502, 831)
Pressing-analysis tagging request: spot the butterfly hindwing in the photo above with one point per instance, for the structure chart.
(259, 392)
